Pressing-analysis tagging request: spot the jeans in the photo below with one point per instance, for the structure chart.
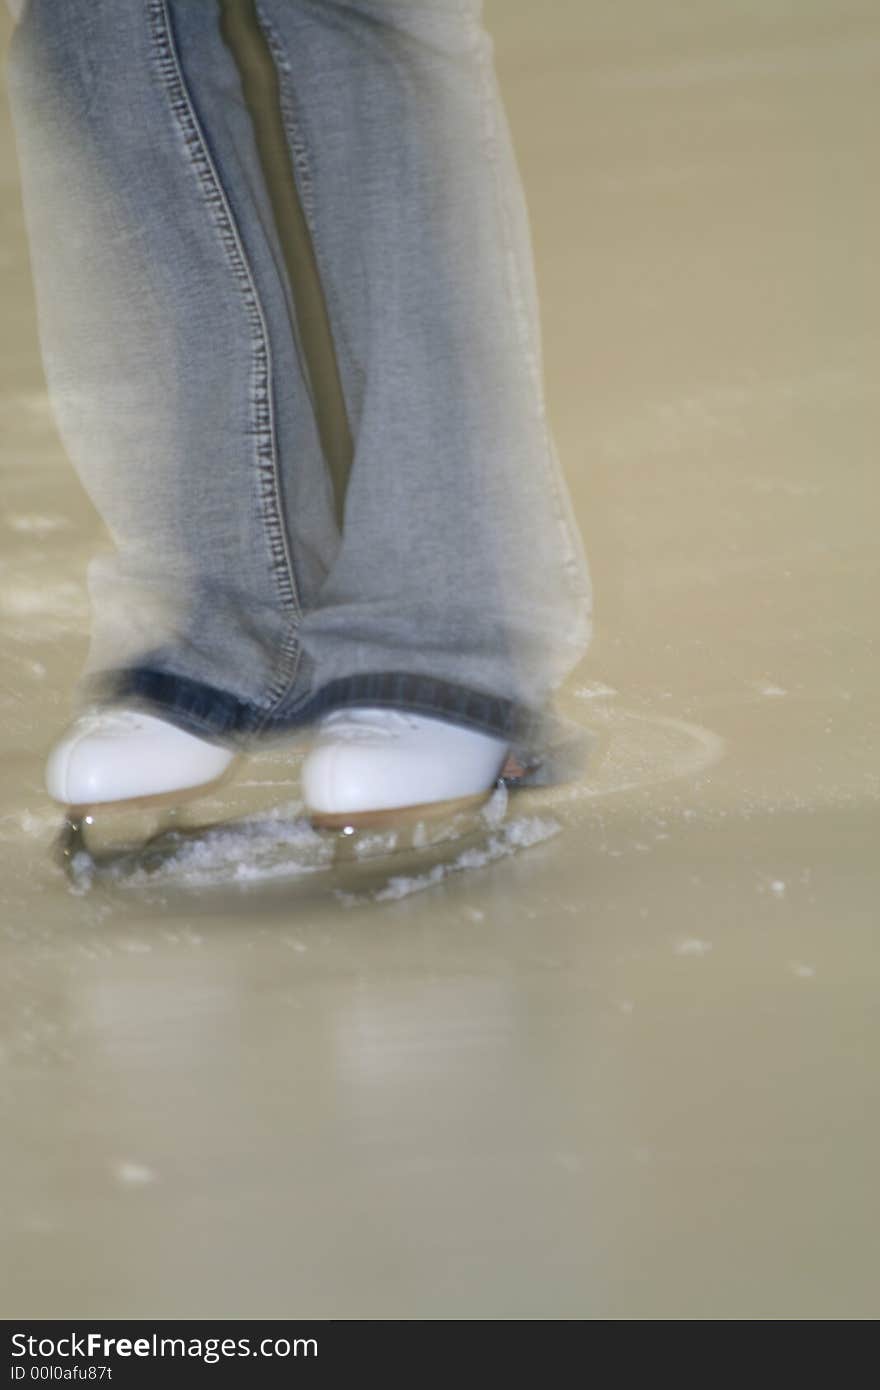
(243, 594)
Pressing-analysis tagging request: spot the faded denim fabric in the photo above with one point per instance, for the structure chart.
(232, 600)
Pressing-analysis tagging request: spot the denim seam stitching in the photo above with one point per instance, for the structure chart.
(263, 415)
(303, 163)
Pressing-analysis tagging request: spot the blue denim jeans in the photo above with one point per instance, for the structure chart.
(237, 598)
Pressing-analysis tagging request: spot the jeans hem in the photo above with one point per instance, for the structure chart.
(216, 714)
(549, 750)
(200, 709)
(421, 694)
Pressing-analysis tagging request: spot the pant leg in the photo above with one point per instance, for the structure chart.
(460, 574)
(165, 321)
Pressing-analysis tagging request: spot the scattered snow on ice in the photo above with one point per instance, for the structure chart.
(381, 842)
(61, 602)
(594, 690)
(82, 873)
(803, 972)
(34, 524)
(134, 1174)
(29, 822)
(692, 946)
(474, 914)
(495, 809)
(280, 845)
(516, 834)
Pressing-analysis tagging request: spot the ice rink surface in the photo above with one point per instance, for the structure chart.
(614, 1055)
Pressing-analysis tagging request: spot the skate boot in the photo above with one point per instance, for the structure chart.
(373, 767)
(114, 754)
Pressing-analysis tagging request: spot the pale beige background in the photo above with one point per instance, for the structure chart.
(629, 1072)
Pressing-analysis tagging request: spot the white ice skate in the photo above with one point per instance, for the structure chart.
(369, 767)
(118, 755)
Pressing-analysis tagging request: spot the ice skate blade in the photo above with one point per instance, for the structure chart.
(397, 817)
(76, 854)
